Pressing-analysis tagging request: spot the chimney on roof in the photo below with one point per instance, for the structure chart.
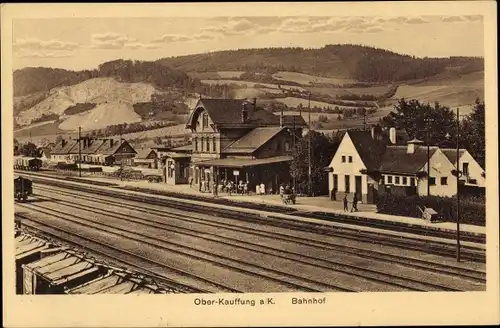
(282, 119)
(111, 142)
(412, 145)
(244, 113)
(376, 132)
(392, 135)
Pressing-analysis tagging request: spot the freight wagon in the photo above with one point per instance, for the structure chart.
(27, 163)
(22, 188)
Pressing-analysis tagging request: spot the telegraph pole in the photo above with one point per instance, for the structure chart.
(79, 151)
(428, 120)
(309, 148)
(458, 188)
(293, 148)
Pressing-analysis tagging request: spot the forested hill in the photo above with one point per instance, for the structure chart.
(355, 62)
(360, 63)
(31, 80)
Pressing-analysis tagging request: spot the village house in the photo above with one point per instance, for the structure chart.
(146, 158)
(233, 139)
(106, 151)
(372, 162)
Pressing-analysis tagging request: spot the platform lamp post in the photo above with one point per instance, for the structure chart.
(80, 151)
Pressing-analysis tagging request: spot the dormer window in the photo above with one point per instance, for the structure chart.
(205, 120)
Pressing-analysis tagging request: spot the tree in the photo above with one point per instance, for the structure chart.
(412, 115)
(29, 149)
(16, 147)
(472, 133)
(322, 150)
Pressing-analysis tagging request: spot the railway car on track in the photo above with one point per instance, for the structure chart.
(22, 188)
(26, 163)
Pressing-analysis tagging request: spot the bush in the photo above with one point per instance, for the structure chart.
(79, 108)
(471, 211)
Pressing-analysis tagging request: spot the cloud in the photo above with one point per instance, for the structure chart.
(474, 18)
(113, 41)
(236, 26)
(416, 20)
(452, 19)
(43, 54)
(36, 44)
(171, 38)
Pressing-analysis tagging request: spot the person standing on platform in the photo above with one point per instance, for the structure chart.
(346, 203)
(354, 203)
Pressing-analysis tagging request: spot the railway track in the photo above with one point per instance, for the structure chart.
(404, 242)
(123, 257)
(404, 282)
(196, 254)
(322, 216)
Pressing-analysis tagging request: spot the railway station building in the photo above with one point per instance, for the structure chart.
(233, 139)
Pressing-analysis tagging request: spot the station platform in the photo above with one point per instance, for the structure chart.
(304, 205)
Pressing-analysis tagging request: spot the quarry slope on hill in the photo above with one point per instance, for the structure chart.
(98, 91)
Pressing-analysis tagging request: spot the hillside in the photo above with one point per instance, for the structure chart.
(359, 63)
(113, 101)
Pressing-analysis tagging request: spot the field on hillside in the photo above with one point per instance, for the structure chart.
(294, 102)
(306, 79)
(460, 91)
(250, 84)
(331, 91)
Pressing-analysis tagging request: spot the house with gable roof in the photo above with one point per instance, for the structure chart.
(235, 140)
(473, 174)
(107, 151)
(372, 162)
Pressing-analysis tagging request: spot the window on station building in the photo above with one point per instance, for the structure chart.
(432, 181)
(350, 159)
(389, 179)
(343, 159)
(444, 181)
(201, 144)
(405, 181)
(214, 144)
(208, 144)
(205, 120)
(287, 146)
(396, 180)
(195, 144)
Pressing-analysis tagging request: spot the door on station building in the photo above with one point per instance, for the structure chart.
(358, 186)
(336, 182)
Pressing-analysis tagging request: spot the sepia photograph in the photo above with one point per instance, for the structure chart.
(241, 156)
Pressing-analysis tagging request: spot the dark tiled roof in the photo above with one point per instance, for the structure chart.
(253, 140)
(397, 160)
(66, 149)
(94, 146)
(240, 162)
(144, 153)
(369, 150)
(227, 112)
(451, 154)
(185, 148)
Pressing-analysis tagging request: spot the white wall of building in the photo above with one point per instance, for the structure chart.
(351, 169)
(441, 167)
(475, 170)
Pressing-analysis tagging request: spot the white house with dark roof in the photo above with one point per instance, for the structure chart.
(472, 173)
(372, 162)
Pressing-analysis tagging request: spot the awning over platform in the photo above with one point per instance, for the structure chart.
(241, 162)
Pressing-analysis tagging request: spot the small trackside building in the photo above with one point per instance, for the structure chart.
(147, 158)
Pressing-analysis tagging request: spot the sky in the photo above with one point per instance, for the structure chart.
(84, 43)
